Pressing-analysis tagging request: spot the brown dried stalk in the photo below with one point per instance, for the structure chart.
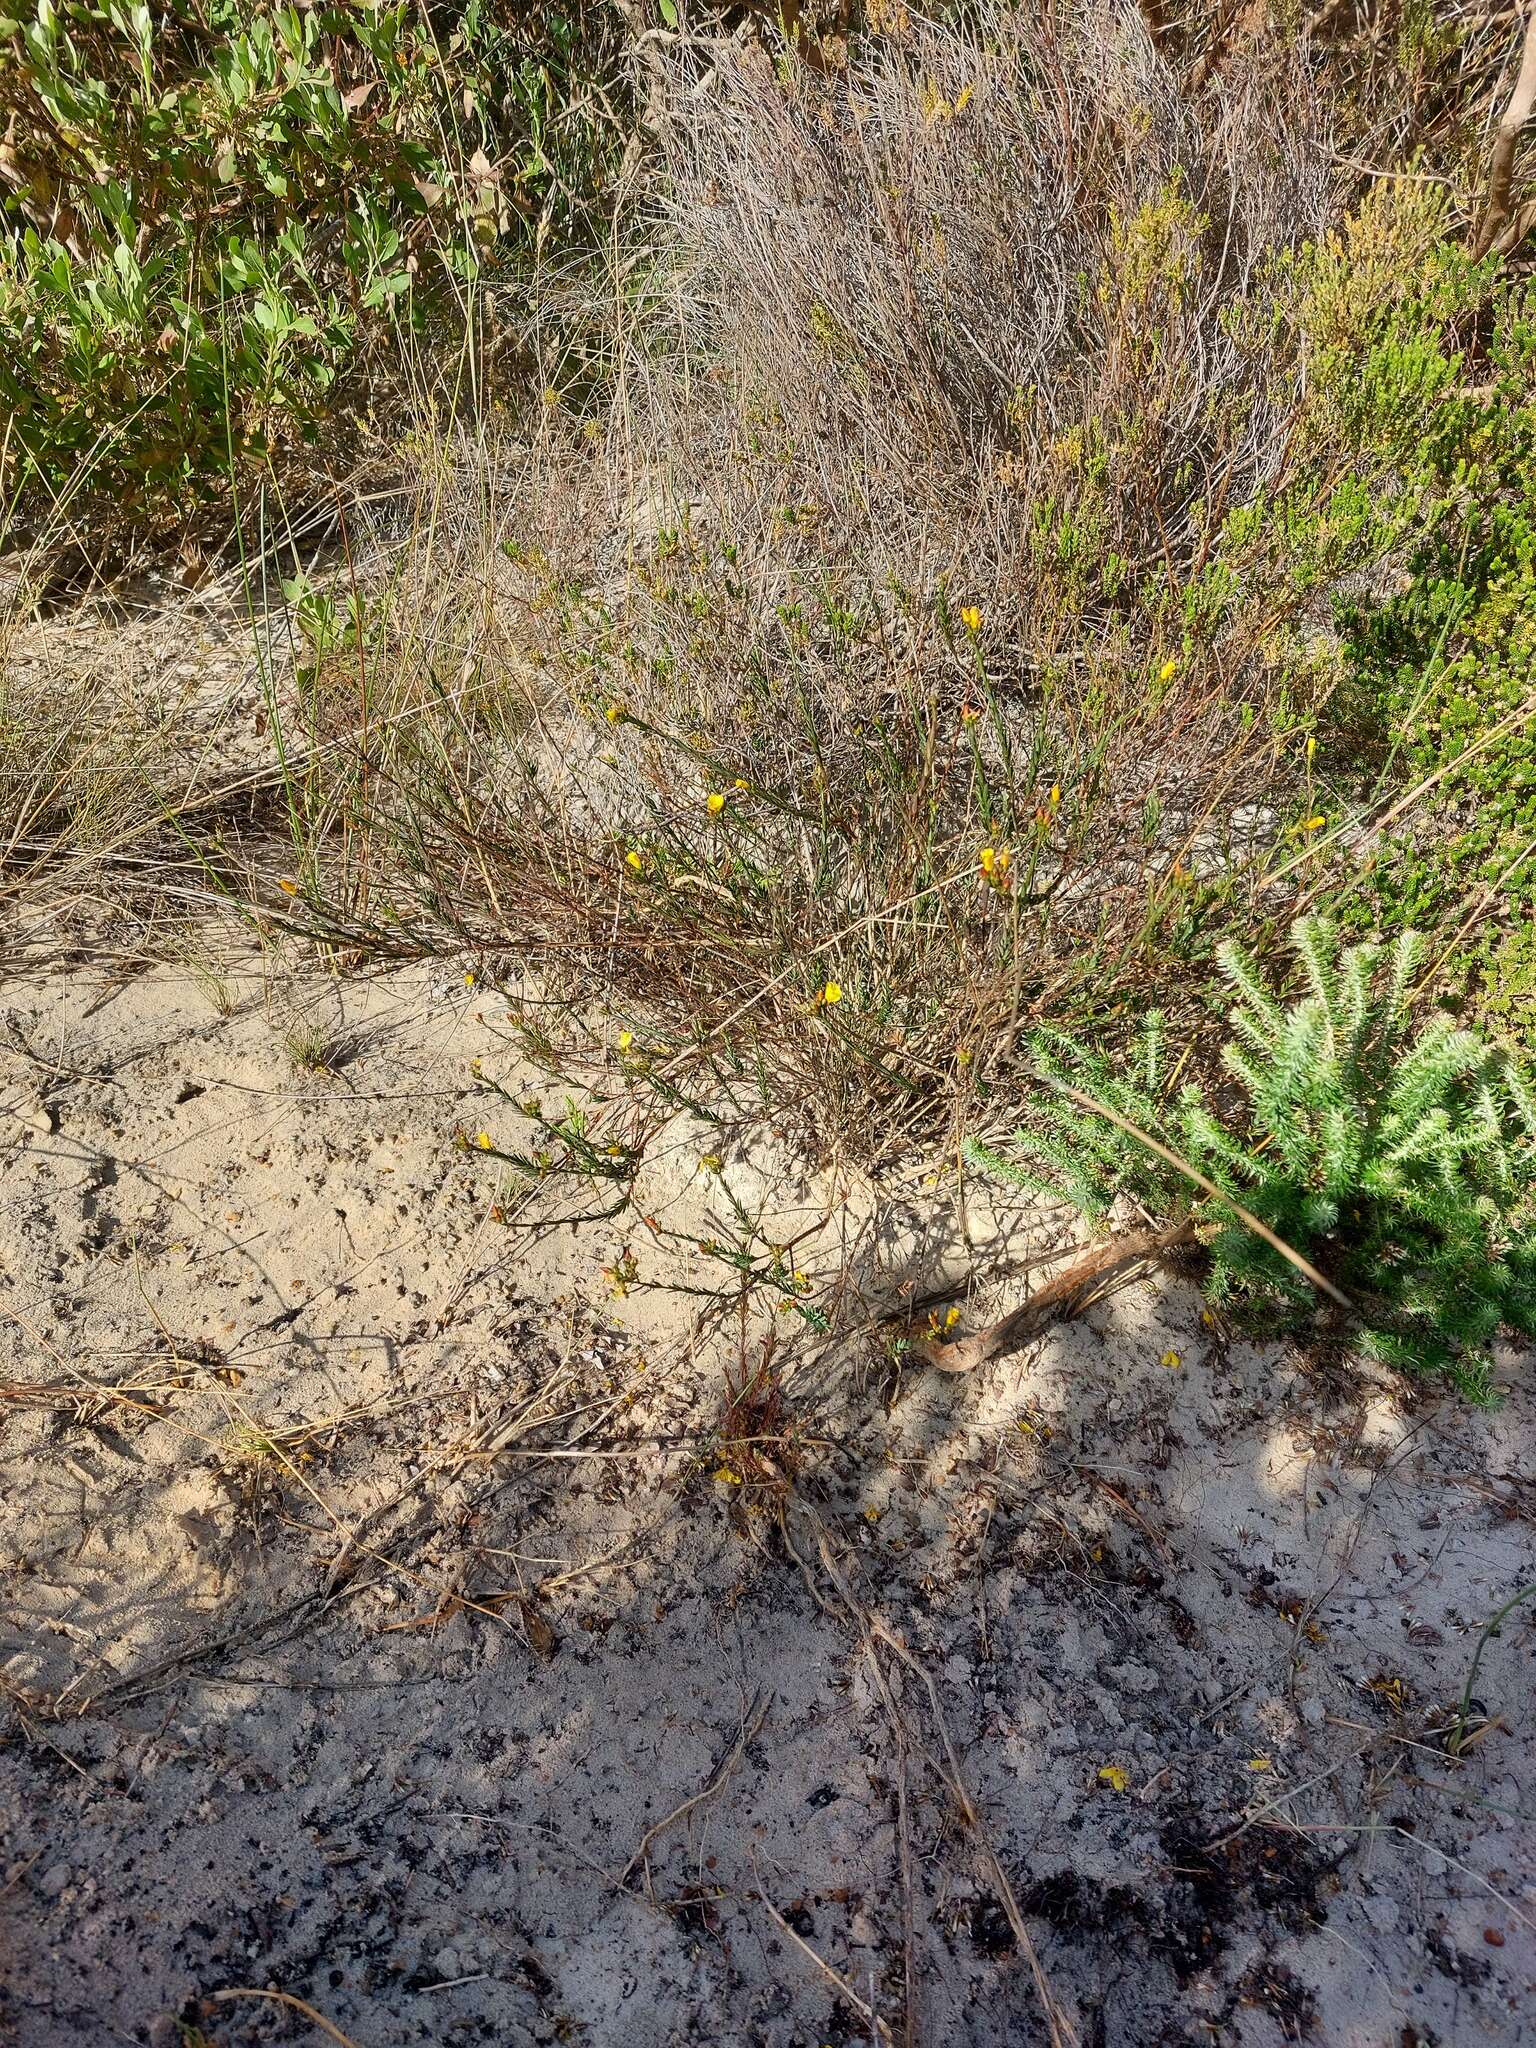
(1498, 228)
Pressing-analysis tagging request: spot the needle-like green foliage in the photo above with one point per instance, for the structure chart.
(1399, 1159)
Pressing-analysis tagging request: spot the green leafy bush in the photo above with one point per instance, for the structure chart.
(1441, 664)
(1398, 1161)
(215, 220)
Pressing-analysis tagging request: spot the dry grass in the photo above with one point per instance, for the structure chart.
(128, 750)
(77, 776)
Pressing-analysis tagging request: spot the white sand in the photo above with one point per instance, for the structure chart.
(255, 1738)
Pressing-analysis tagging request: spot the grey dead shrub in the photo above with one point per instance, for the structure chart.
(903, 288)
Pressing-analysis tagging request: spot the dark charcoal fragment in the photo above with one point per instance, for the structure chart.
(1077, 1905)
(1280, 1991)
(991, 1929)
(1454, 1962)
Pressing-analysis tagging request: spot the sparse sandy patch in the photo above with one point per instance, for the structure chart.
(385, 1621)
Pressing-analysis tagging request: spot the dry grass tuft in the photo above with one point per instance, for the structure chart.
(128, 751)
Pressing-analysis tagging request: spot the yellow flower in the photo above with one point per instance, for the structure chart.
(1258, 1763)
(970, 618)
(740, 782)
(714, 803)
(469, 979)
(951, 1318)
(711, 1162)
(486, 1142)
(1314, 824)
(995, 862)
(633, 860)
(614, 713)
(626, 1040)
(288, 888)
(963, 98)
(1311, 746)
(725, 1473)
(1055, 792)
(1112, 1776)
(1169, 670)
(1172, 1360)
(832, 992)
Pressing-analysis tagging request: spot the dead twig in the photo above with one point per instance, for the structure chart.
(909, 2021)
(1116, 1261)
(1059, 2028)
(1498, 208)
(134, 1685)
(1102, 1270)
(844, 1988)
(1206, 1186)
(753, 1720)
(1130, 1512)
(296, 2004)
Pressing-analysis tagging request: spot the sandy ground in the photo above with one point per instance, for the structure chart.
(386, 1625)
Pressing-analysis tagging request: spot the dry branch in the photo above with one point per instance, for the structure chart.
(1492, 232)
(1102, 1270)
(752, 1720)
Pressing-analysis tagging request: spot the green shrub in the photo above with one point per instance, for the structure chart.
(1442, 668)
(215, 220)
(1398, 1162)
